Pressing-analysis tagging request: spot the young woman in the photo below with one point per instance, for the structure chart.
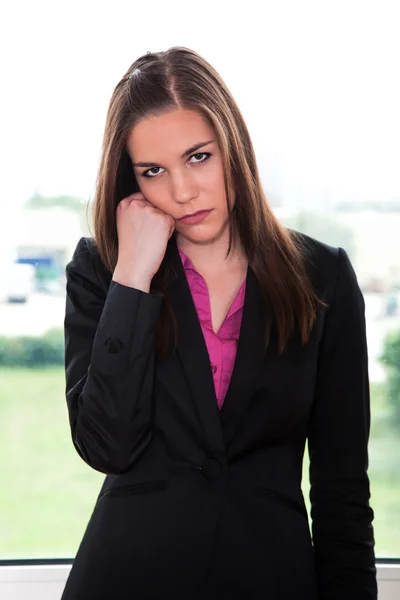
(204, 344)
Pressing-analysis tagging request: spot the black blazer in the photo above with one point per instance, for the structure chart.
(200, 503)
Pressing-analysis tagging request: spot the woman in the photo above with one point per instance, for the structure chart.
(205, 343)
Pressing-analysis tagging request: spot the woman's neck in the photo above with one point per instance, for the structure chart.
(211, 257)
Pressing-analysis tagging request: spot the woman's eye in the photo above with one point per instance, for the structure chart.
(150, 173)
(146, 173)
(206, 154)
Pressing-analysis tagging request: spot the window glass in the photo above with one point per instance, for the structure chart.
(317, 90)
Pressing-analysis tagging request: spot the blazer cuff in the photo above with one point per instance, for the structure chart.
(128, 315)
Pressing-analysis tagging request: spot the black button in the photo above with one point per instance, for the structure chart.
(113, 345)
(213, 369)
(211, 468)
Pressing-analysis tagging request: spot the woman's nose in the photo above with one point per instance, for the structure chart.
(183, 186)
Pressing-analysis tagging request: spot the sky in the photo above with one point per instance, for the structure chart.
(317, 83)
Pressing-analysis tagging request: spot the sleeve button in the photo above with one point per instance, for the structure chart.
(113, 345)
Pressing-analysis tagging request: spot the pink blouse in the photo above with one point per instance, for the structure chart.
(221, 346)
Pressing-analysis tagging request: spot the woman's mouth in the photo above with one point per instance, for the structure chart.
(195, 217)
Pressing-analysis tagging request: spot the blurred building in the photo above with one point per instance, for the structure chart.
(47, 237)
(377, 241)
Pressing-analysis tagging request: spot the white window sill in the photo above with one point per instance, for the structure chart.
(46, 582)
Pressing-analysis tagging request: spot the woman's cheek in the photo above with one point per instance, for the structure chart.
(157, 197)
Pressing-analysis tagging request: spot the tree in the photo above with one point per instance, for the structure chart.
(391, 360)
(70, 202)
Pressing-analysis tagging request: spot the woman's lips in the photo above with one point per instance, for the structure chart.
(196, 218)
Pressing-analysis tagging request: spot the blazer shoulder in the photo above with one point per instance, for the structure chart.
(323, 262)
(87, 266)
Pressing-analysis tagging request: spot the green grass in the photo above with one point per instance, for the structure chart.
(48, 492)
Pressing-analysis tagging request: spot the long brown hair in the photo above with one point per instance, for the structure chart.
(179, 78)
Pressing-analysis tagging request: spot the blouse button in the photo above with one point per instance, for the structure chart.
(213, 369)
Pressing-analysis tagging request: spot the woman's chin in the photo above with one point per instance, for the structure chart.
(200, 235)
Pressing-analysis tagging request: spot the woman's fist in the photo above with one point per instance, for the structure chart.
(143, 234)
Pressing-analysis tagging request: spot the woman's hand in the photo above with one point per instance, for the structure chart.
(143, 234)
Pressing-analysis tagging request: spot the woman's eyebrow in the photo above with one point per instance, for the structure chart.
(186, 153)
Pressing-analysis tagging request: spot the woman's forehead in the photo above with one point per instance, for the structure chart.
(173, 132)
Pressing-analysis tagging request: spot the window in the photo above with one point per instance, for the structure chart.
(321, 104)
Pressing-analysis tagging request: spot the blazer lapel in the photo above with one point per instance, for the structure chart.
(193, 354)
(218, 426)
(249, 359)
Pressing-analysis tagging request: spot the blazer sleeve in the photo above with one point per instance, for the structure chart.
(109, 365)
(342, 530)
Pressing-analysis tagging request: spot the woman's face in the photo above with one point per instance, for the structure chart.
(183, 173)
